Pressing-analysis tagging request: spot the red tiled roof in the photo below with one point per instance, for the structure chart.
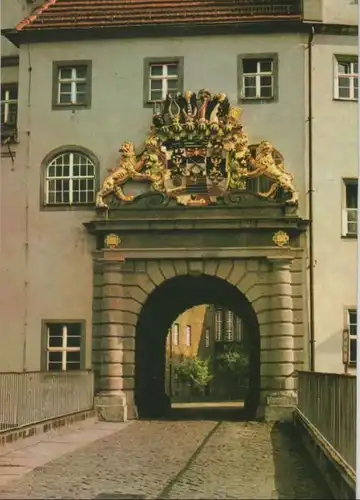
(82, 14)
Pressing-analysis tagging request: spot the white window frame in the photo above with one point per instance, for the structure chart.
(164, 77)
(218, 325)
(175, 334)
(348, 210)
(229, 326)
(257, 75)
(351, 60)
(6, 103)
(69, 178)
(64, 349)
(188, 335)
(351, 335)
(73, 81)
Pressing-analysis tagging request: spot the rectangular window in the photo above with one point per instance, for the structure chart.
(175, 334)
(352, 326)
(163, 80)
(229, 326)
(258, 77)
(63, 346)
(9, 104)
(207, 337)
(351, 208)
(188, 335)
(72, 84)
(162, 77)
(218, 325)
(238, 329)
(346, 78)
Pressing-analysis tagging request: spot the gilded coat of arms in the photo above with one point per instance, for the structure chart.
(196, 151)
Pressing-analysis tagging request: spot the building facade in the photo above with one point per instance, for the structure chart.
(87, 84)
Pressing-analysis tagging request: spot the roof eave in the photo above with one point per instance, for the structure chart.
(265, 26)
(141, 31)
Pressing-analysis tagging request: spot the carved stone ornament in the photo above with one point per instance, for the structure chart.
(112, 241)
(196, 152)
(281, 238)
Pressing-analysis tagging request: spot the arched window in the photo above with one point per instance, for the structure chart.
(70, 179)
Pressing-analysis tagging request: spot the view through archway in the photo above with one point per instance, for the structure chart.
(169, 300)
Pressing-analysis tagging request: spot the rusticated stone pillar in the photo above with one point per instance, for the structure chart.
(113, 344)
(277, 347)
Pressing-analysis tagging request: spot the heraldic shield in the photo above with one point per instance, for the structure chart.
(196, 151)
(195, 170)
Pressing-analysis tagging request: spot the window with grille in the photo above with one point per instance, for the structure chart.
(163, 80)
(218, 325)
(175, 334)
(188, 335)
(258, 77)
(9, 104)
(352, 326)
(63, 346)
(346, 78)
(228, 326)
(351, 208)
(72, 84)
(70, 180)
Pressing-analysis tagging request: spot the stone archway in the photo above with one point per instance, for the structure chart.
(163, 305)
(126, 288)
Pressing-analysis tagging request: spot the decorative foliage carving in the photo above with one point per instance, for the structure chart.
(197, 153)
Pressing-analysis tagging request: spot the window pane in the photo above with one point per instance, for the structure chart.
(344, 93)
(229, 326)
(173, 85)
(353, 350)
(9, 92)
(156, 84)
(74, 329)
(265, 81)
(73, 341)
(55, 341)
(266, 65)
(266, 92)
(55, 357)
(250, 92)
(156, 95)
(73, 356)
(352, 228)
(355, 68)
(218, 325)
(73, 365)
(65, 73)
(352, 318)
(351, 195)
(65, 88)
(249, 66)
(65, 99)
(172, 69)
(156, 70)
(55, 329)
(80, 71)
(54, 367)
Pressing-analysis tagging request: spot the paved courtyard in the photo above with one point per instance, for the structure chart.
(161, 459)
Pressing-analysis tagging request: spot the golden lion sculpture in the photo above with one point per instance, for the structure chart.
(265, 164)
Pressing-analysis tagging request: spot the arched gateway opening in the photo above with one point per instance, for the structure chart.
(161, 308)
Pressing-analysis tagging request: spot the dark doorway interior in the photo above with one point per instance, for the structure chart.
(159, 311)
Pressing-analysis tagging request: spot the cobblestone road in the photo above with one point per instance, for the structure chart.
(179, 459)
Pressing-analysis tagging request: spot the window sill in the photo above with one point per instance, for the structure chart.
(257, 100)
(349, 237)
(70, 107)
(68, 208)
(340, 99)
